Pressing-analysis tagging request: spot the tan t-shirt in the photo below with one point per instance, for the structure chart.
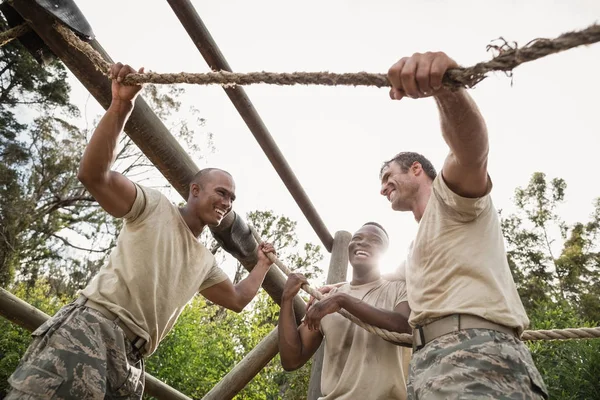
(358, 364)
(457, 262)
(156, 268)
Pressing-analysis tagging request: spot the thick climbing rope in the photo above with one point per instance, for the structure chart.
(406, 339)
(13, 33)
(507, 59)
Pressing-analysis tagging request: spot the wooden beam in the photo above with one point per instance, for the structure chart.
(338, 268)
(246, 370)
(30, 318)
(144, 127)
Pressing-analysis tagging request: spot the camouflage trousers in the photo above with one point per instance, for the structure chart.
(474, 364)
(78, 354)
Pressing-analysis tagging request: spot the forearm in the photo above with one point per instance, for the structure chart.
(101, 150)
(463, 126)
(290, 342)
(247, 288)
(384, 319)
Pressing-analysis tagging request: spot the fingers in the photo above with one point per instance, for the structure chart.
(312, 319)
(119, 71)
(125, 70)
(266, 247)
(439, 66)
(419, 76)
(408, 77)
(422, 74)
(396, 93)
(325, 289)
(114, 70)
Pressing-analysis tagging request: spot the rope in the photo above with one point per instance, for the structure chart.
(406, 339)
(13, 33)
(507, 59)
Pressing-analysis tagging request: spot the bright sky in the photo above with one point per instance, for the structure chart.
(335, 139)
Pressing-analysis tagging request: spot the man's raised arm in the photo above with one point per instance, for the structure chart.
(112, 190)
(463, 127)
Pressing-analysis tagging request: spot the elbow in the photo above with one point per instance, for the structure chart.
(289, 365)
(88, 178)
(239, 305)
(237, 308)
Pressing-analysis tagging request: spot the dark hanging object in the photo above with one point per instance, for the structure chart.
(235, 237)
(66, 11)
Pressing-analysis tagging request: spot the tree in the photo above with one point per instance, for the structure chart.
(556, 267)
(544, 269)
(24, 85)
(49, 225)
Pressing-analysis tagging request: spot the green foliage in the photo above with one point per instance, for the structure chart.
(558, 283)
(570, 368)
(14, 339)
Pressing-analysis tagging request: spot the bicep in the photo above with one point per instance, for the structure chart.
(466, 180)
(311, 340)
(223, 294)
(115, 193)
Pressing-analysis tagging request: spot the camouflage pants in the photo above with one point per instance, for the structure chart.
(474, 364)
(78, 354)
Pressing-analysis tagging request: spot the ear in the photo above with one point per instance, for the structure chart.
(194, 189)
(416, 168)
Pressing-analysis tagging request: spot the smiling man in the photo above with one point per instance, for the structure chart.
(466, 312)
(356, 364)
(94, 348)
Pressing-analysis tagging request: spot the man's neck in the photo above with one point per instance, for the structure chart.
(421, 200)
(193, 222)
(363, 277)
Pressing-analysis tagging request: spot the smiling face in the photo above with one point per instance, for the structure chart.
(367, 246)
(212, 196)
(400, 187)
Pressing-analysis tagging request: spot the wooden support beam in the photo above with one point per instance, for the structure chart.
(30, 318)
(246, 370)
(338, 268)
(144, 127)
(191, 21)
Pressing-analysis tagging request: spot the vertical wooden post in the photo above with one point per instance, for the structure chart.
(338, 267)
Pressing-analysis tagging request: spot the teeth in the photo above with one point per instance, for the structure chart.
(220, 212)
(361, 253)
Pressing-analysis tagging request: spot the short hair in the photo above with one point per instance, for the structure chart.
(406, 159)
(379, 226)
(201, 175)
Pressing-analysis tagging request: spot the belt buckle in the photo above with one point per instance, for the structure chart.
(419, 340)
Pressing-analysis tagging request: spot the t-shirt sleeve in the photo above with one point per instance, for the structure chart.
(400, 292)
(215, 276)
(146, 201)
(461, 208)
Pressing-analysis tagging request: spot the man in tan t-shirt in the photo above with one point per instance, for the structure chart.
(356, 364)
(93, 348)
(466, 313)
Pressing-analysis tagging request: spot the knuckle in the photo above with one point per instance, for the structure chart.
(405, 74)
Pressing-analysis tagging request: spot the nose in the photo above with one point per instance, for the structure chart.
(226, 203)
(384, 189)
